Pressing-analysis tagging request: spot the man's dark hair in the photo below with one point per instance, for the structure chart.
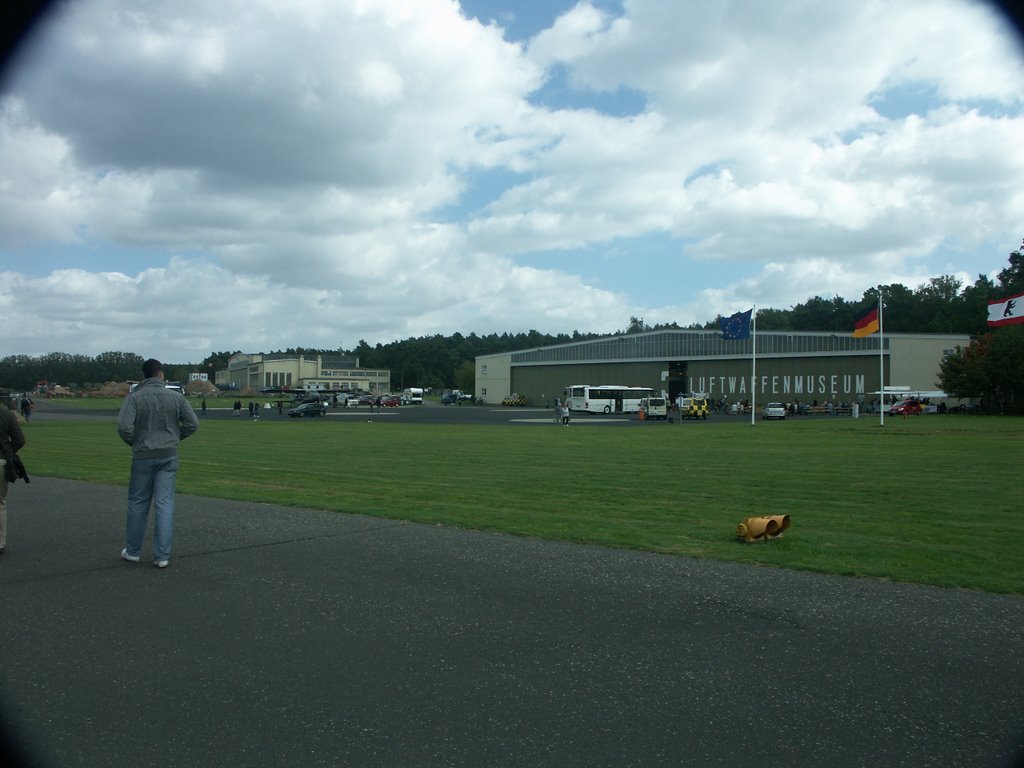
(151, 368)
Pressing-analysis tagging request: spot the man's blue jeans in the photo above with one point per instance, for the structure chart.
(152, 480)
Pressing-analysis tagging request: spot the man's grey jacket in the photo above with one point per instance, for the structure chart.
(154, 419)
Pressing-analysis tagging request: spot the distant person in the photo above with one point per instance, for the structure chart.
(153, 420)
(238, 407)
(12, 440)
(252, 408)
(203, 406)
(26, 407)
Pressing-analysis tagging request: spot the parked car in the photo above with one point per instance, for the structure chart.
(906, 408)
(367, 399)
(449, 399)
(774, 411)
(391, 401)
(308, 409)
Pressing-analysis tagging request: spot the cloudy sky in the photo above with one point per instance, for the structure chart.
(184, 177)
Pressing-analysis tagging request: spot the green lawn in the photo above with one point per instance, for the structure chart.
(934, 499)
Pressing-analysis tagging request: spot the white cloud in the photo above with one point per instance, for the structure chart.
(286, 174)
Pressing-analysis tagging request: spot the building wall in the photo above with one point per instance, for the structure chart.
(797, 379)
(791, 367)
(494, 377)
(541, 384)
(312, 373)
(843, 378)
(916, 359)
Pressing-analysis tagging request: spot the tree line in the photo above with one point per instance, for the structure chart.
(942, 305)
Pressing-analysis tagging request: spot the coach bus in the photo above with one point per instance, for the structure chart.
(607, 398)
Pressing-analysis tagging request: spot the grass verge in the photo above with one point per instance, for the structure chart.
(933, 500)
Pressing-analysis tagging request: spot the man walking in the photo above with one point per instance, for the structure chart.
(153, 420)
(12, 440)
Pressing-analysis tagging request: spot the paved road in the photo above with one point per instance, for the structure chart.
(433, 413)
(296, 637)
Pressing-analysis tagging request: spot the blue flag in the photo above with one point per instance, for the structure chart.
(737, 326)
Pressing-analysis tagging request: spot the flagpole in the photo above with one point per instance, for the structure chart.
(753, 367)
(881, 362)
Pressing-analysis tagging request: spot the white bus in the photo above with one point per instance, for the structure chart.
(607, 398)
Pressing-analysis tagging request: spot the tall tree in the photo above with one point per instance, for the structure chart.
(636, 325)
(773, 320)
(939, 308)
(898, 308)
(1011, 279)
(974, 305)
(465, 377)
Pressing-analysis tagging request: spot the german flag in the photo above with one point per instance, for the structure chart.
(866, 325)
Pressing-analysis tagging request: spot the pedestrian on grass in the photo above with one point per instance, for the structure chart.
(153, 420)
(12, 440)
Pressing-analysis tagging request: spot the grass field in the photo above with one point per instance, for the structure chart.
(934, 500)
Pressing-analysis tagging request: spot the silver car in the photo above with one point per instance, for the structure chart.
(774, 411)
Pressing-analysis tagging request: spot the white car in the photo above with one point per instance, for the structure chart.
(774, 411)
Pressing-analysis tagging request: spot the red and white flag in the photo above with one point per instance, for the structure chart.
(1008, 311)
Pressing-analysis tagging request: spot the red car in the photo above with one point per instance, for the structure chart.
(391, 401)
(906, 408)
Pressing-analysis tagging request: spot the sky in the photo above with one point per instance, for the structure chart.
(181, 178)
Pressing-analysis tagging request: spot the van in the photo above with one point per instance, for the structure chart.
(693, 407)
(654, 407)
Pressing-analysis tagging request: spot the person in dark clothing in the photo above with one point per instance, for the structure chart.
(12, 440)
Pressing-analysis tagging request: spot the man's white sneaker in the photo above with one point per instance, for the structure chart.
(129, 558)
(161, 563)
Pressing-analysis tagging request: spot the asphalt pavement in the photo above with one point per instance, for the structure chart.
(297, 637)
(433, 413)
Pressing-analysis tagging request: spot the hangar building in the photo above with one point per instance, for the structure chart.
(791, 366)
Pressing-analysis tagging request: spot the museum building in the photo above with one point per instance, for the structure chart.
(285, 370)
(787, 366)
